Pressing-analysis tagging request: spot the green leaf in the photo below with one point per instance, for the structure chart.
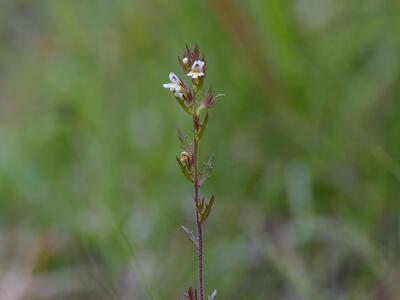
(206, 212)
(191, 236)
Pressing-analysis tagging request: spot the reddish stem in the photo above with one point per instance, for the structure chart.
(198, 221)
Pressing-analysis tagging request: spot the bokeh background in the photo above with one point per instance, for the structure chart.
(306, 146)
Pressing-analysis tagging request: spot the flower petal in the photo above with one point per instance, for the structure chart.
(173, 78)
(167, 85)
(198, 65)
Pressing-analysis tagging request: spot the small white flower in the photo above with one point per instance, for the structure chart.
(197, 69)
(185, 60)
(174, 86)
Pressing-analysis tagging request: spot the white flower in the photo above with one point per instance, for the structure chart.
(197, 69)
(185, 60)
(174, 86)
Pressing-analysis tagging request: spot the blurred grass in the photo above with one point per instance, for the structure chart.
(306, 144)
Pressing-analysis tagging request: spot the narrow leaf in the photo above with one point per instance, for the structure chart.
(213, 295)
(204, 215)
(184, 170)
(191, 236)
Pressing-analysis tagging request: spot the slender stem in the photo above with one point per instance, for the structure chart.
(198, 221)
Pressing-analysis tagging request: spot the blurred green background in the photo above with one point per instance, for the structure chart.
(306, 145)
